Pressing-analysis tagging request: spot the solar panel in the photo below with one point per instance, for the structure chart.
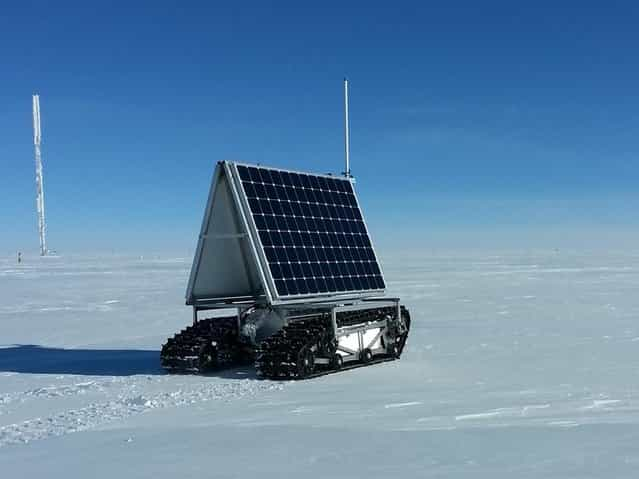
(311, 231)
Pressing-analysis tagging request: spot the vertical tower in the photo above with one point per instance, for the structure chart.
(39, 183)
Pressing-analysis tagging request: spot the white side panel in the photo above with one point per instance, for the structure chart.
(370, 335)
(349, 341)
(222, 266)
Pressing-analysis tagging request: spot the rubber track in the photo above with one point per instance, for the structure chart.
(191, 350)
(277, 357)
(281, 355)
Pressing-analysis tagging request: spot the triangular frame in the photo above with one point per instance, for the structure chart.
(230, 267)
(225, 268)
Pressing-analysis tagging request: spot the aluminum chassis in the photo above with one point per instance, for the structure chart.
(348, 354)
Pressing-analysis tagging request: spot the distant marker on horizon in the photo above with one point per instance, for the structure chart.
(37, 138)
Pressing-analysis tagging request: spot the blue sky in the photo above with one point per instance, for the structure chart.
(473, 124)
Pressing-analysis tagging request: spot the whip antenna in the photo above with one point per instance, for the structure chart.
(347, 170)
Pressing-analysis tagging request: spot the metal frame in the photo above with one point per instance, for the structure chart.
(343, 334)
(360, 330)
(223, 170)
(288, 170)
(336, 305)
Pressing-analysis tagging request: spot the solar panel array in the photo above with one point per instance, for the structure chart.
(311, 231)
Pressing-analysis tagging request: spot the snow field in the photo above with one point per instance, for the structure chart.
(518, 365)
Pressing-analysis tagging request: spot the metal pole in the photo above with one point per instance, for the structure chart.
(347, 171)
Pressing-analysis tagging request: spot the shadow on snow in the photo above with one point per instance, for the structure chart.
(33, 359)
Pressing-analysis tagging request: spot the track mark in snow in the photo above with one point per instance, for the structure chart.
(65, 390)
(56, 391)
(300, 410)
(564, 423)
(124, 406)
(533, 407)
(402, 404)
(480, 415)
(506, 411)
(601, 403)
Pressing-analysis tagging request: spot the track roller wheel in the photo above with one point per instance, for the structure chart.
(207, 357)
(306, 364)
(337, 362)
(366, 355)
(394, 351)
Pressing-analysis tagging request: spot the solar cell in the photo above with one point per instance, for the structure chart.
(311, 231)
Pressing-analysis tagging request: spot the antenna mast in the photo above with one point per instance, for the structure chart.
(347, 170)
(37, 136)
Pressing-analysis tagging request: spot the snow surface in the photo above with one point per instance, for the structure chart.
(519, 365)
